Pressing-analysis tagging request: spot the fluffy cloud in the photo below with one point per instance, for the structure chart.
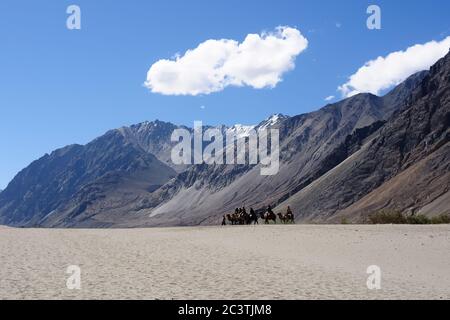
(385, 72)
(259, 62)
(329, 98)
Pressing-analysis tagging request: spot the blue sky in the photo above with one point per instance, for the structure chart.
(60, 86)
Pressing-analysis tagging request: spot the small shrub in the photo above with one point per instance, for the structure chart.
(417, 219)
(396, 217)
(387, 217)
(441, 219)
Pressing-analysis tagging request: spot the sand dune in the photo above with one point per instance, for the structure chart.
(256, 262)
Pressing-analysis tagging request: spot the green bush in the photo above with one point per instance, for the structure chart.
(441, 219)
(396, 217)
(387, 217)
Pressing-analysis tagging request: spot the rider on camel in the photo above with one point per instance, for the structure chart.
(289, 212)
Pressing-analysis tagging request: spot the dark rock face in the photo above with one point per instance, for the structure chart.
(50, 182)
(344, 160)
(311, 145)
(411, 153)
(397, 168)
(153, 137)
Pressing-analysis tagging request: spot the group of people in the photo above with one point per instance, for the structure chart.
(242, 217)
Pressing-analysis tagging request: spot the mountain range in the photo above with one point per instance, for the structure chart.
(345, 161)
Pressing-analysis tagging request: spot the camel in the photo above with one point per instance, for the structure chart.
(253, 217)
(290, 218)
(245, 218)
(282, 217)
(269, 216)
(233, 218)
(239, 218)
(286, 218)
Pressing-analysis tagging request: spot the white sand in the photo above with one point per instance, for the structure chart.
(256, 262)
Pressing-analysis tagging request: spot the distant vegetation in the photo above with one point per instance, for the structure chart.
(395, 217)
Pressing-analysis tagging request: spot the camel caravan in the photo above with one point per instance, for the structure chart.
(242, 217)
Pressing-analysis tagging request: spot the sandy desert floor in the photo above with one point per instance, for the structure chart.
(248, 262)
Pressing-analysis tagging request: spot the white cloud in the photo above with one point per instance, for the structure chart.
(259, 62)
(329, 98)
(386, 72)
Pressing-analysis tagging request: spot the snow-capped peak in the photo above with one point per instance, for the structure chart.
(272, 120)
(240, 130)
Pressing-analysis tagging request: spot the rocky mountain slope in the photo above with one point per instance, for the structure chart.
(52, 181)
(345, 160)
(308, 145)
(404, 166)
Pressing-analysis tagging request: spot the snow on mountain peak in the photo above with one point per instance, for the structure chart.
(272, 120)
(240, 130)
